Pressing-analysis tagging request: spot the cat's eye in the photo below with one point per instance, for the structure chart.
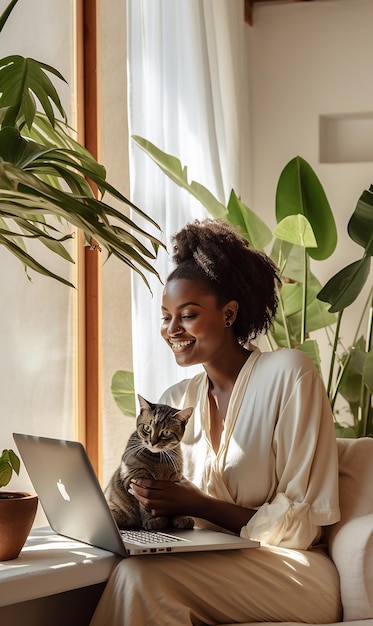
(167, 433)
(146, 428)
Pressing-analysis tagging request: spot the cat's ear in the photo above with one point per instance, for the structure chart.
(184, 414)
(144, 405)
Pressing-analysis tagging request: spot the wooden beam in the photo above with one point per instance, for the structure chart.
(248, 12)
(89, 284)
(249, 6)
(92, 256)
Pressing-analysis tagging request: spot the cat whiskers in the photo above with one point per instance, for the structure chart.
(136, 448)
(168, 457)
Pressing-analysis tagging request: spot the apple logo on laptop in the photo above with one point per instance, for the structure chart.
(62, 489)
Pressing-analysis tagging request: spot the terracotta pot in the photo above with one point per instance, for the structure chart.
(17, 513)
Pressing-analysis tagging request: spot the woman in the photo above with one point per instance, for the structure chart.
(259, 451)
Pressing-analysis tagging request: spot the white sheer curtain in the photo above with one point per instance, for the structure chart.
(188, 94)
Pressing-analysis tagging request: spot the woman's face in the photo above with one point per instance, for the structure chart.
(193, 324)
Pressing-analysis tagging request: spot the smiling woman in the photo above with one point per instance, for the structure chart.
(259, 451)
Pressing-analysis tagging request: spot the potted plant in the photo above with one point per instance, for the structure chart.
(17, 509)
(305, 230)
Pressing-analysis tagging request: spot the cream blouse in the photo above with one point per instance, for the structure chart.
(277, 453)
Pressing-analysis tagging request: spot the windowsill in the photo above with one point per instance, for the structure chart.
(50, 564)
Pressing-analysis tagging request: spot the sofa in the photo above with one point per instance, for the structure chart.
(350, 541)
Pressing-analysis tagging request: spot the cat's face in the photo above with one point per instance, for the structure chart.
(161, 427)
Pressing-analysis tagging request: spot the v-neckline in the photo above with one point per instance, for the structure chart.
(233, 406)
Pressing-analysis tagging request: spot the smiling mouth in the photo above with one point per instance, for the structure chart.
(178, 346)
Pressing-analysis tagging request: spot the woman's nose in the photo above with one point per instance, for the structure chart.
(174, 328)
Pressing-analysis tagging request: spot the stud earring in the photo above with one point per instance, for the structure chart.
(228, 324)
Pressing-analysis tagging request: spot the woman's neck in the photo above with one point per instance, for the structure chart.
(223, 374)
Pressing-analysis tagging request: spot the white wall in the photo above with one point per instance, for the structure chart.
(309, 59)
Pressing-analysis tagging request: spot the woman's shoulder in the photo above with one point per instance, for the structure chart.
(174, 395)
(288, 360)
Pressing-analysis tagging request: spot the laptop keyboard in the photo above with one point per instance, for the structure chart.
(147, 536)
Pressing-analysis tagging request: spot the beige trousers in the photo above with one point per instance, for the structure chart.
(255, 585)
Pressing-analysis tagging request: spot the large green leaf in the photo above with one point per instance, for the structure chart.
(297, 230)
(5, 473)
(311, 348)
(22, 80)
(280, 254)
(250, 224)
(172, 167)
(14, 149)
(368, 371)
(360, 226)
(29, 261)
(345, 432)
(123, 390)
(34, 197)
(343, 288)
(9, 462)
(300, 191)
(6, 13)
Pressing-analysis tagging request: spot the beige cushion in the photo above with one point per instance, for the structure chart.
(351, 539)
(355, 477)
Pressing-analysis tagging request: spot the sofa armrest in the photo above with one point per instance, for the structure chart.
(351, 548)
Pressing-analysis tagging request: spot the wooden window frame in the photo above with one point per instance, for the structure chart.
(88, 323)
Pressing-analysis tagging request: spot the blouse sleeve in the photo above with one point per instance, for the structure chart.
(306, 466)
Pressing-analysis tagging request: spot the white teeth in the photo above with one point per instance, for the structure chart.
(180, 344)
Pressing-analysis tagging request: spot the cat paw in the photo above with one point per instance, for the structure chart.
(182, 521)
(156, 523)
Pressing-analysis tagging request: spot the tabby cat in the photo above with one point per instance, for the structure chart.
(153, 451)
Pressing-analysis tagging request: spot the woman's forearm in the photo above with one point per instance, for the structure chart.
(225, 514)
(184, 498)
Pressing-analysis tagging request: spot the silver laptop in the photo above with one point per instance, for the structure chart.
(75, 505)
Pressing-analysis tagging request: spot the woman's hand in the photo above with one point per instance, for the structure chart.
(162, 497)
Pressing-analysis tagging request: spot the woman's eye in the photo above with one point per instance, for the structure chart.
(188, 317)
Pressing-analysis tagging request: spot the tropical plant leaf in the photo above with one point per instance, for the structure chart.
(171, 166)
(22, 81)
(360, 226)
(368, 371)
(281, 253)
(352, 363)
(5, 473)
(311, 348)
(14, 149)
(297, 230)
(6, 13)
(345, 432)
(343, 288)
(250, 224)
(123, 390)
(29, 261)
(300, 191)
(13, 460)
(9, 462)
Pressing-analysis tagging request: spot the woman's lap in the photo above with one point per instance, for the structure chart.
(256, 585)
